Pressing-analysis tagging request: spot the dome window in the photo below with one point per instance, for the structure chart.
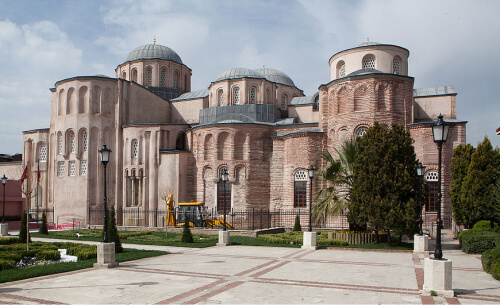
(134, 75)
(124, 75)
(253, 95)
(396, 64)
(149, 77)
(341, 69)
(220, 97)
(284, 101)
(369, 62)
(236, 96)
(163, 77)
(176, 79)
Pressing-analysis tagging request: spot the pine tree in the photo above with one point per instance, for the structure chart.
(43, 227)
(385, 182)
(113, 231)
(186, 237)
(24, 227)
(460, 162)
(297, 227)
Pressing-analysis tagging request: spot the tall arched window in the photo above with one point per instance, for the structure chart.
(134, 75)
(396, 64)
(163, 77)
(284, 101)
(59, 143)
(85, 141)
(300, 189)
(369, 62)
(341, 69)
(361, 131)
(176, 79)
(72, 144)
(220, 97)
(124, 75)
(149, 76)
(236, 95)
(135, 149)
(431, 179)
(268, 96)
(223, 193)
(253, 95)
(42, 152)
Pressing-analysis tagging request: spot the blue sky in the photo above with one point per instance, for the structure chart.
(450, 42)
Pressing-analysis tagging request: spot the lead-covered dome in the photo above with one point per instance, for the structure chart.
(276, 76)
(154, 51)
(239, 73)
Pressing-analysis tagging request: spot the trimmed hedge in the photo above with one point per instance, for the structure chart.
(296, 239)
(491, 262)
(485, 225)
(476, 242)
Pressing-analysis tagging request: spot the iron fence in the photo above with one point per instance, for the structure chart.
(36, 214)
(251, 219)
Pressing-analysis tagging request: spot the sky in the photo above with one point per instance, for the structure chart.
(41, 42)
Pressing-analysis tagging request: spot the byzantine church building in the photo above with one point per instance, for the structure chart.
(254, 123)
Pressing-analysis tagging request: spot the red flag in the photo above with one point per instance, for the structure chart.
(25, 174)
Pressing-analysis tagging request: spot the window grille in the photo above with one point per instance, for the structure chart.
(163, 77)
(134, 75)
(221, 97)
(42, 153)
(60, 169)
(361, 131)
(59, 144)
(149, 77)
(176, 76)
(85, 141)
(395, 65)
(83, 168)
(431, 176)
(135, 149)
(236, 97)
(253, 95)
(369, 62)
(284, 102)
(72, 168)
(342, 70)
(72, 145)
(300, 176)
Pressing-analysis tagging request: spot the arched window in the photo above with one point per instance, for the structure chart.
(85, 141)
(176, 79)
(253, 95)
(163, 77)
(432, 184)
(300, 189)
(341, 69)
(42, 152)
(284, 101)
(83, 168)
(124, 75)
(361, 131)
(59, 143)
(135, 149)
(149, 76)
(134, 75)
(369, 62)
(236, 95)
(316, 103)
(72, 144)
(268, 96)
(223, 193)
(220, 97)
(396, 63)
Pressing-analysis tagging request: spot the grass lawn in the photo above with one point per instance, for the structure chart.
(10, 275)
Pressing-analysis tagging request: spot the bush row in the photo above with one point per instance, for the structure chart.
(480, 238)
(296, 239)
(491, 262)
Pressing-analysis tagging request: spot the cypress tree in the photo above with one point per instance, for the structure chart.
(460, 162)
(43, 227)
(186, 237)
(297, 227)
(24, 227)
(113, 230)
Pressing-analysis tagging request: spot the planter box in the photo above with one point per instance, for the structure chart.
(358, 237)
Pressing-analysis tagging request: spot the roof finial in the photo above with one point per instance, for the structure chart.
(154, 40)
(367, 39)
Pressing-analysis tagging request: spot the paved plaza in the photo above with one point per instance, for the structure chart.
(259, 275)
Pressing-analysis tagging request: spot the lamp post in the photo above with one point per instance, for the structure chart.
(224, 176)
(310, 171)
(4, 182)
(104, 160)
(440, 134)
(420, 174)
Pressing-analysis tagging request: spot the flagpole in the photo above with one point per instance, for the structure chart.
(37, 182)
(28, 191)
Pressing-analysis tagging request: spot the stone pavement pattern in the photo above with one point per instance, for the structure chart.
(241, 274)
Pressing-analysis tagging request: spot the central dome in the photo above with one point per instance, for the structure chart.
(276, 76)
(153, 51)
(239, 73)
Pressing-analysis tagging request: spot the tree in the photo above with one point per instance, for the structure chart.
(478, 190)
(23, 232)
(385, 181)
(296, 226)
(335, 198)
(460, 162)
(113, 230)
(43, 227)
(186, 237)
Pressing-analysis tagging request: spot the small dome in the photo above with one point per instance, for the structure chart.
(239, 73)
(276, 76)
(364, 71)
(368, 43)
(153, 51)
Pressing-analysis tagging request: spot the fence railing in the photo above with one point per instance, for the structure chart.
(36, 214)
(251, 219)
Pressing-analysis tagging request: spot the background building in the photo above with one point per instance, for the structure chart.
(256, 123)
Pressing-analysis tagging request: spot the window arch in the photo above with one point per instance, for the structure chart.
(220, 97)
(300, 189)
(42, 152)
(340, 69)
(236, 95)
(149, 76)
(369, 62)
(176, 79)
(135, 149)
(284, 101)
(432, 185)
(431, 176)
(59, 143)
(253, 95)
(134, 75)
(163, 77)
(396, 65)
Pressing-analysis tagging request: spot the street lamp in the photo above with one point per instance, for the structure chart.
(104, 160)
(420, 174)
(311, 176)
(224, 176)
(440, 134)
(4, 182)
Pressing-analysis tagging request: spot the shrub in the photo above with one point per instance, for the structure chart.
(48, 255)
(187, 237)
(479, 241)
(43, 227)
(7, 264)
(486, 260)
(8, 240)
(24, 229)
(485, 225)
(113, 231)
(296, 226)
